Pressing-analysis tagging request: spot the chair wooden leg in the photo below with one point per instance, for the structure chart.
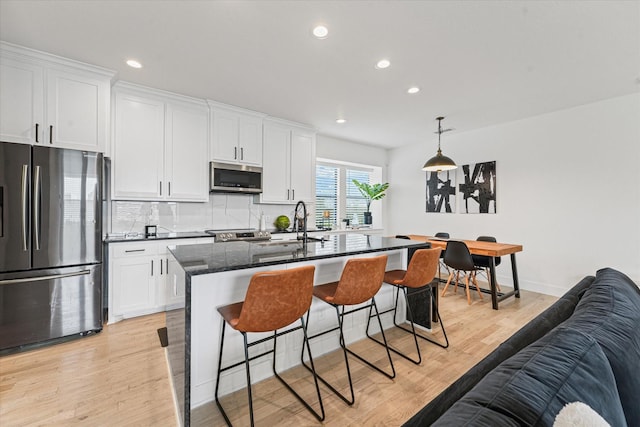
(489, 278)
(444, 291)
(475, 282)
(455, 290)
(466, 286)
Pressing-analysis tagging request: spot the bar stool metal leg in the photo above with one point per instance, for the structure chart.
(340, 315)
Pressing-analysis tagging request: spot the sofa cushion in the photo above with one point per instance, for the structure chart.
(532, 331)
(531, 387)
(609, 311)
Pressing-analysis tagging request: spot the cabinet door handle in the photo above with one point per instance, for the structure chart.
(152, 267)
(51, 134)
(235, 153)
(241, 153)
(287, 194)
(161, 188)
(161, 268)
(37, 132)
(135, 250)
(169, 188)
(293, 194)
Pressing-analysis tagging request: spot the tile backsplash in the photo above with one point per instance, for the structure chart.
(222, 211)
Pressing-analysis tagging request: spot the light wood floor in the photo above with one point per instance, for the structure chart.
(119, 377)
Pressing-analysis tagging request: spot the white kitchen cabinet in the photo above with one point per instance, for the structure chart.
(160, 146)
(133, 279)
(51, 101)
(186, 168)
(236, 136)
(138, 150)
(139, 278)
(288, 164)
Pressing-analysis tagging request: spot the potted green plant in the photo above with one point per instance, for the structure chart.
(370, 192)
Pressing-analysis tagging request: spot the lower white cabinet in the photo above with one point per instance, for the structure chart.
(139, 281)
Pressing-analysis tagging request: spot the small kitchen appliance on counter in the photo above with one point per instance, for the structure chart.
(150, 230)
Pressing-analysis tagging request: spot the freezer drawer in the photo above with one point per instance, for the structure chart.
(41, 305)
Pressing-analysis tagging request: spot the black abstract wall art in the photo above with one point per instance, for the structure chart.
(478, 188)
(441, 191)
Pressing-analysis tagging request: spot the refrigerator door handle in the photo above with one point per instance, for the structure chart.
(36, 208)
(39, 278)
(25, 171)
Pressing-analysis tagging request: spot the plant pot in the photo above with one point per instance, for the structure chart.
(368, 219)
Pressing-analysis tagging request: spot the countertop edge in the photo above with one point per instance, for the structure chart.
(199, 272)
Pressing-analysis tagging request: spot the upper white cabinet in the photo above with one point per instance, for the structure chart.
(186, 167)
(159, 147)
(48, 100)
(236, 135)
(288, 163)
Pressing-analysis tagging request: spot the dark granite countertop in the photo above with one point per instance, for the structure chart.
(218, 257)
(139, 237)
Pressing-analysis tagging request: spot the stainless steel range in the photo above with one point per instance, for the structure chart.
(238, 235)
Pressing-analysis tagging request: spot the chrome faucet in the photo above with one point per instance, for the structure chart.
(296, 221)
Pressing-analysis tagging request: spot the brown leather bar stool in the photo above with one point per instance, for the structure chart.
(361, 279)
(419, 275)
(458, 257)
(274, 300)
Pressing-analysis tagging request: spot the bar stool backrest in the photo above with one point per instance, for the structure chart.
(361, 279)
(458, 257)
(422, 268)
(276, 299)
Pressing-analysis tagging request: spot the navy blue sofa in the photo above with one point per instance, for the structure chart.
(585, 347)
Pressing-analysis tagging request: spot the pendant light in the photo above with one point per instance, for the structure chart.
(439, 162)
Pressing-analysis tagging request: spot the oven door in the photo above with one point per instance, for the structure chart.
(228, 178)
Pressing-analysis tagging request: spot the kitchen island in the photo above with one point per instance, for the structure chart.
(206, 276)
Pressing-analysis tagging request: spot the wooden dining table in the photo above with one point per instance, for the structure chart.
(490, 249)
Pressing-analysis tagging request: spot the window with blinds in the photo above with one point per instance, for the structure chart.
(356, 204)
(336, 195)
(326, 195)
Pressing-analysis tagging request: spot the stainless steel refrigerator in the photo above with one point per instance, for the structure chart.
(50, 245)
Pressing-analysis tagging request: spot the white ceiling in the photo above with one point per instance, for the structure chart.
(478, 63)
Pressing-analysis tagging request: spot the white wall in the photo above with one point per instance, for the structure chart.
(568, 190)
(347, 151)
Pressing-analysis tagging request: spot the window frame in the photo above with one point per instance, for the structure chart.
(375, 175)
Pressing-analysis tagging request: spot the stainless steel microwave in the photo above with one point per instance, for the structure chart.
(231, 178)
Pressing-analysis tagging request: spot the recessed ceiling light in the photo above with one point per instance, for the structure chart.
(383, 63)
(133, 63)
(321, 32)
(341, 121)
(413, 89)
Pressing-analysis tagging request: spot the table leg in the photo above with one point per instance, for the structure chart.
(492, 283)
(514, 272)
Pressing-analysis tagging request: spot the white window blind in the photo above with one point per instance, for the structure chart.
(326, 195)
(337, 194)
(356, 204)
